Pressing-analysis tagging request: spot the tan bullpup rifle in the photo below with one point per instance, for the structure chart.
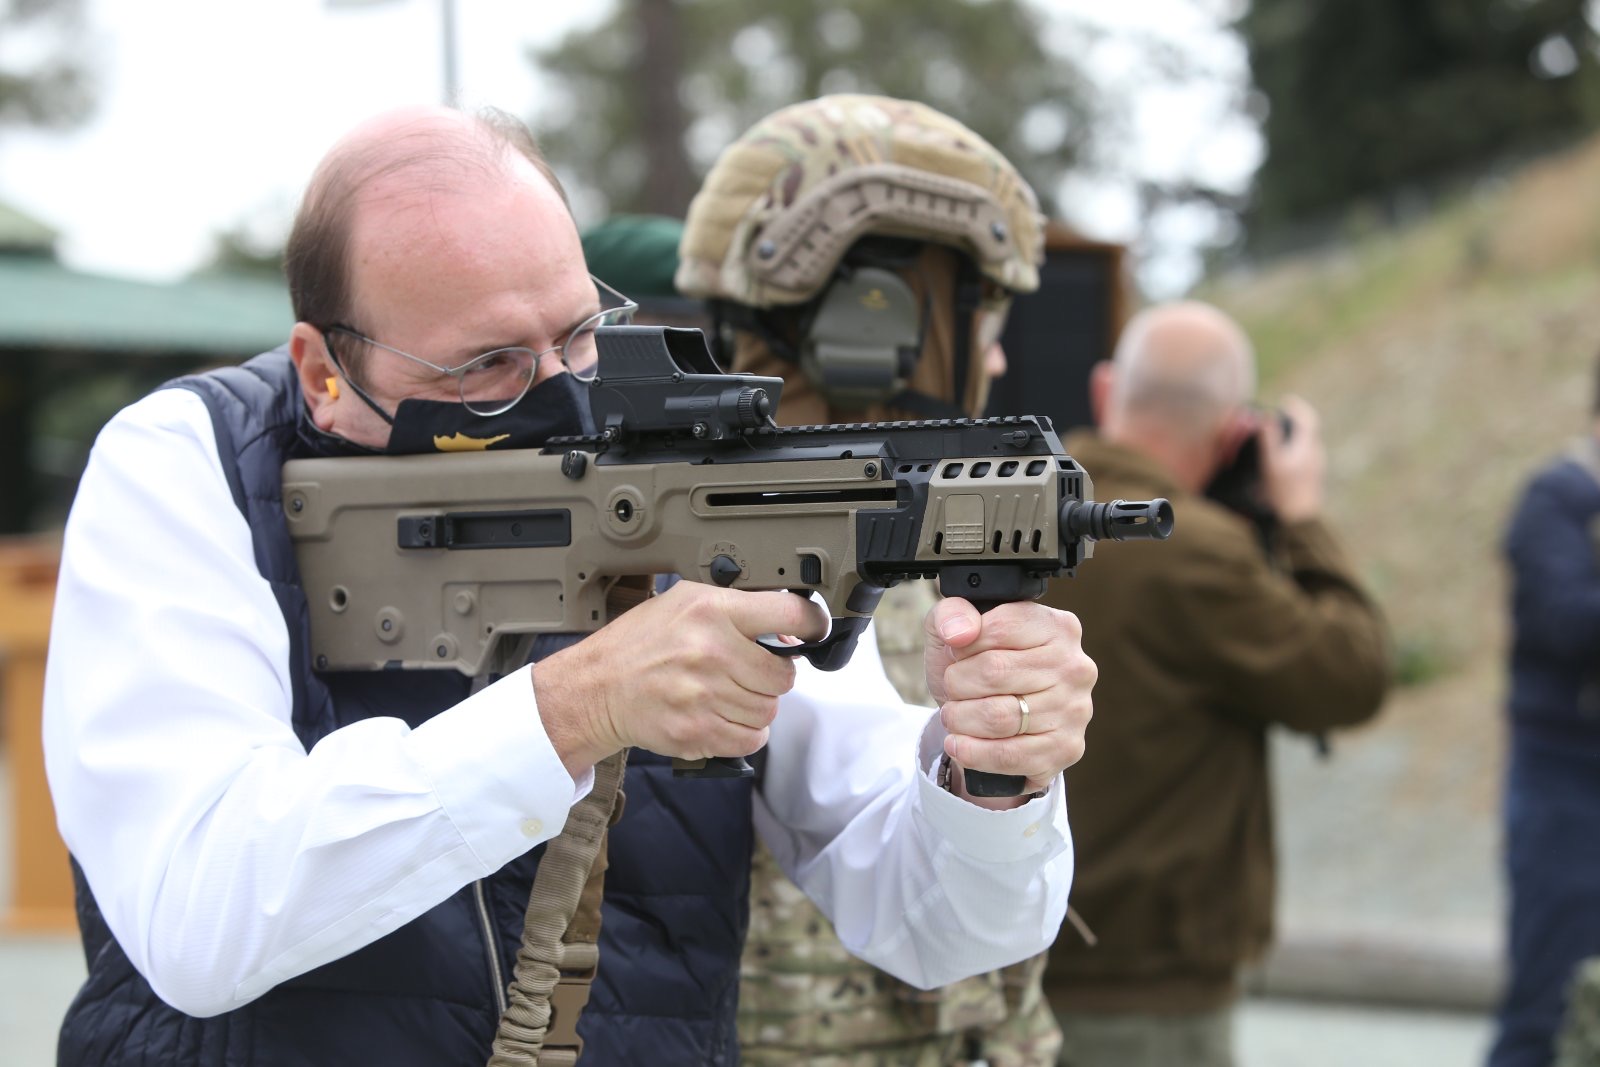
(457, 561)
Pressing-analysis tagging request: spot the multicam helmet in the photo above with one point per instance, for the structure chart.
(785, 202)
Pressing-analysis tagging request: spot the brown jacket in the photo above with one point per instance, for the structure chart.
(1202, 644)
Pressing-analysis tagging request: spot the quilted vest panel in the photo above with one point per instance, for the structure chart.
(675, 897)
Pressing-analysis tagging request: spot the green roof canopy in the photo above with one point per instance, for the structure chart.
(24, 233)
(46, 305)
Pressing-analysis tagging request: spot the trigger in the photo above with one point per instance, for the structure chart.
(828, 654)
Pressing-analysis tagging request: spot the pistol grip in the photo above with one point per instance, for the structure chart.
(713, 767)
(990, 783)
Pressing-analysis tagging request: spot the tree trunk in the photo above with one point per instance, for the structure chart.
(670, 181)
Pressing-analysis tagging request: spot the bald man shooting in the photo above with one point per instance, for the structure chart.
(282, 863)
(1201, 649)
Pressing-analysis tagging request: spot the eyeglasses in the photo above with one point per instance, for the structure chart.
(494, 381)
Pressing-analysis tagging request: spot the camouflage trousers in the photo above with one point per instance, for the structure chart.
(943, 1052)
(1202, 1039)
(822, 1012)
(1578, 1041)
(1026, 1038)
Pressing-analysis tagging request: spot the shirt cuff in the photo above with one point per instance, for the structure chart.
(1037, 828)
(496, 774)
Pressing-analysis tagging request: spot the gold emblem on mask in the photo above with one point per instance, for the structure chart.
(460, 442)
(874, 300)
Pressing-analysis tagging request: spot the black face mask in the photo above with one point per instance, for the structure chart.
(556, 407)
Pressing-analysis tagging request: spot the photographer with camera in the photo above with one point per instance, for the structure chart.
(1201, 648)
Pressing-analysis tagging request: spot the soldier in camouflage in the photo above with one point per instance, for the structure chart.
(925, 231)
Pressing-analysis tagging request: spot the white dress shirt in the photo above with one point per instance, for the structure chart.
(227, 859)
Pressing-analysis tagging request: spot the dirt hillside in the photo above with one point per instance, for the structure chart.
(1448, 360)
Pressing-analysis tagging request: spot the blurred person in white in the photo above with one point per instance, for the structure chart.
(279, 864)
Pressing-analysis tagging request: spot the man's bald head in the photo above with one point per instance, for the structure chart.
(407, 153)
(1184, 367)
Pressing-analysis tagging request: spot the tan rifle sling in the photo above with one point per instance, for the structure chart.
(561, 931)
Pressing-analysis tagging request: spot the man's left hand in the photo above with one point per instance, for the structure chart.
(978, 665)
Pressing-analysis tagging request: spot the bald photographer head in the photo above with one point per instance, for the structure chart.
(1179, 389)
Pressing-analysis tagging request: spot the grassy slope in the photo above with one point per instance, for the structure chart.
(1448, 360)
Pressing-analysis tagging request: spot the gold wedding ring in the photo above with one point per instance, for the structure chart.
(1022, 727)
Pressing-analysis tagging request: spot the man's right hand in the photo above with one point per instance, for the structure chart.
(1293, 467)
(680, 675)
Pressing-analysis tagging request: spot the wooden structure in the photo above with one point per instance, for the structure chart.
(39, 897)
(73, 348)
(1055, 335)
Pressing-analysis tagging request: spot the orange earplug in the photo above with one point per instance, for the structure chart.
(333, 388)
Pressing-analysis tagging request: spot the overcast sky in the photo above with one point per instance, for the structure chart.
(213, 112)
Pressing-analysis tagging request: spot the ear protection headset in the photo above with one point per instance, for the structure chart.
(859, 340)
(865, 333)
(863, 338)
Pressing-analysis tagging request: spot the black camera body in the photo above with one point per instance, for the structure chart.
(1239, 486)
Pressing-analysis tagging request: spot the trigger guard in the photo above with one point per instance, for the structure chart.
(828, 654)
(771, 643)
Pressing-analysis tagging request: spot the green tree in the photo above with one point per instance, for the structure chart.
(1367, 96)
(238, 249)
(649, 97)
(43, 77)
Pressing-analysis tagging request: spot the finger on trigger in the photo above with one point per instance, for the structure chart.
(776, 612)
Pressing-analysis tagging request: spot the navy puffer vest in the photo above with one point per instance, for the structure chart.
(675, 894)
